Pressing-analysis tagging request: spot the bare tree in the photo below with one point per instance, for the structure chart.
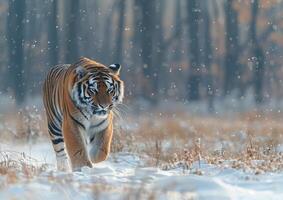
(15, 37)
(231, 63)
(159, 50)
(194, 76)
(118, 54)
(146, 28)
(72, 47)
(136, 38)
(108, 34)
(178, 29)
(257, 54)
(53, 34)
(208, 54)
(90, 28)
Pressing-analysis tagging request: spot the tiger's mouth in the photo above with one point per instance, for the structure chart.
(100, 112)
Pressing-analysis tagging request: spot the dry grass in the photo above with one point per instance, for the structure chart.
(248, 140)
(17, 167)
(21, 163)
(26, 125)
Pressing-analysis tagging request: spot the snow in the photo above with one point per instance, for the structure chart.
(126, 175)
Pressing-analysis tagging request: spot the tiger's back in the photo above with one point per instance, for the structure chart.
(51, 88)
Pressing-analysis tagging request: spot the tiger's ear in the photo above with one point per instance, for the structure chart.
(80, 72)
(115, 68)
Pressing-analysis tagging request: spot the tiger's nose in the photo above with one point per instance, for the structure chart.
(103, 106)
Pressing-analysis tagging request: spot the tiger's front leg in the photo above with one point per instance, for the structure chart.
(75, 144)
(58, 146)
(100, 144)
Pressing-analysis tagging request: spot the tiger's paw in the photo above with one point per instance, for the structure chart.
(78, 167)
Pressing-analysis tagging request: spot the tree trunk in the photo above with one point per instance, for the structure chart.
(194, 50)
(257, 54)
(106, 44)
(89, 29)
(208, 55)
(232, 67)
(137, 23)
(53, 34)
(118, 54)
(72, 47)
(147, 40)
(178, 29)
(159, 59)
(15, 36)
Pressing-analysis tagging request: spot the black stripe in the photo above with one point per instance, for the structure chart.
(97, 125)
(57, 114)
(59, 151)
(57, 141)
(62, 155)
(80, 110)
(80, 91)
(92, 138)
(53, 106)
(89, 93)
(96, 78)
(79, 123)
(82, 113)
(54, 130)
(84, 89)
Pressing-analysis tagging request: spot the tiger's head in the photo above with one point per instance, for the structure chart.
(97, 88)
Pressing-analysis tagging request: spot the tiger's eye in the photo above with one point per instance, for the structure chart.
(93, 88)
(110, 90)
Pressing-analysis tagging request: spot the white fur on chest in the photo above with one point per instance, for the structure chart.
(97, 124)
(93, 126)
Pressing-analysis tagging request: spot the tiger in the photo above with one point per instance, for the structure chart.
(79, 100)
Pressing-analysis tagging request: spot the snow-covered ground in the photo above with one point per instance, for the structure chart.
(126, 176)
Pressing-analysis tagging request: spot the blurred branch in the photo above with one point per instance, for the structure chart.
(167, 43)
(264, 34)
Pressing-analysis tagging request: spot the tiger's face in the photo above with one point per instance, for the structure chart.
(98, 91)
